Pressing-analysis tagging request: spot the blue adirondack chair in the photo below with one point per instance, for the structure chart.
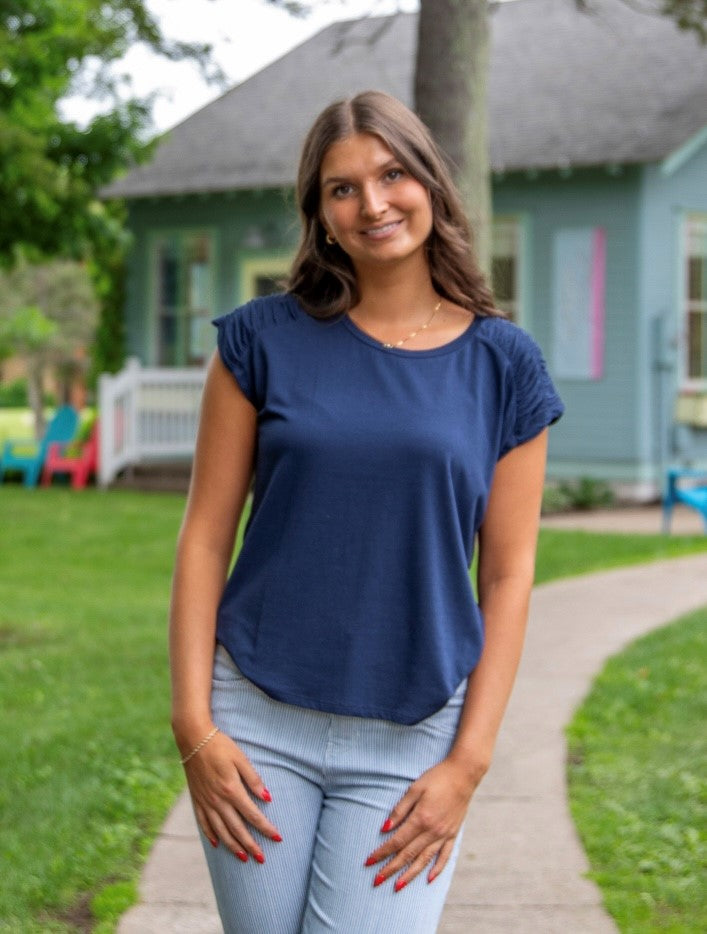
(28, 456)
(694, 495)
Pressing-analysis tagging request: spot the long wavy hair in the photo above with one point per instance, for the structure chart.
(322, 275)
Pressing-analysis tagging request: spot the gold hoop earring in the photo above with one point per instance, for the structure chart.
(330, 240)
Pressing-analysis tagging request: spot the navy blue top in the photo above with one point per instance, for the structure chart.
(351, 593)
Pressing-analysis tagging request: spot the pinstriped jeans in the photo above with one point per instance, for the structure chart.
(334, 780)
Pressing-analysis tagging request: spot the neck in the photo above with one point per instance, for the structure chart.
(394, 296)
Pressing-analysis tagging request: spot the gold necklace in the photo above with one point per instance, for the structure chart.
(424, 327)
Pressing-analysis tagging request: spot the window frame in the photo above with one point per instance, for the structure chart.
(520, 224)
(261, 263)
(687, 383)
(181, 234)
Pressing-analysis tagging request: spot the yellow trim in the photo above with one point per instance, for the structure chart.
(268, 264)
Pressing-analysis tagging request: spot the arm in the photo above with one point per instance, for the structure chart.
(428, 817)
(223, 464)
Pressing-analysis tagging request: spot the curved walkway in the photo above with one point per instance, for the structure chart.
(521, 868)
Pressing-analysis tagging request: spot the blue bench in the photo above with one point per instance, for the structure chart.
(693, 495)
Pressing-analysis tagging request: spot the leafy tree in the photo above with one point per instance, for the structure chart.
(50, 167)
(48, 315)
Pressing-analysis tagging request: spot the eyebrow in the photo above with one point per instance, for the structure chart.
(337, 179)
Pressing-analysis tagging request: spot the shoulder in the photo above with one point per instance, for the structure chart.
(261, 314)
(507, 337)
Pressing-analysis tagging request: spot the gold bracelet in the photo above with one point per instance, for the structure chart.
(200, 745)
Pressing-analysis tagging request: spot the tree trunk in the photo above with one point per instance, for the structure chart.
(451, 76)
(35, 393)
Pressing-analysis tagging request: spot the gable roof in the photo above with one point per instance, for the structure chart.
(566, 88)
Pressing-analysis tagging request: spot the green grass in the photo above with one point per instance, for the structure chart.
(567, 553)
(88, 768)
(638, 780)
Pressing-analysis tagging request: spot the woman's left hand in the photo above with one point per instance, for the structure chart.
(426, 822)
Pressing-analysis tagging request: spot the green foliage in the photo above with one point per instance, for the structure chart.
(24, 329)
(688, 14)
(50, 168)
(14, 395)
(638, 785)
(586, 493)
(48, 314)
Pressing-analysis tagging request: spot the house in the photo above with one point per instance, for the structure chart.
(598, 144)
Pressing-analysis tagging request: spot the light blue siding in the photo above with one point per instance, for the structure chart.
(665, 199)
(598, 435)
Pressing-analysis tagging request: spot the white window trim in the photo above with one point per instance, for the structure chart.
(155, 235)
(687, 384)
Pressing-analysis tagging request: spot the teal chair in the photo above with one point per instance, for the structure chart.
(693, 495)
(27, 457)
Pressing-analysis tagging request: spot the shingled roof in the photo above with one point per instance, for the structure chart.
(566, 88)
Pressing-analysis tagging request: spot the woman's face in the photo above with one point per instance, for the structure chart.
(375, 210)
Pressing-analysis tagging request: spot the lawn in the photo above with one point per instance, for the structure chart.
(638, 780)
(88, 768)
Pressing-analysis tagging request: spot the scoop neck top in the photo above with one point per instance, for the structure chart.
(448, 347)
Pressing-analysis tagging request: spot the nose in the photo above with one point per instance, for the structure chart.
(373, 202)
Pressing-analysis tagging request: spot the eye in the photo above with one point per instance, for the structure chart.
(342, 190)
(392, 175)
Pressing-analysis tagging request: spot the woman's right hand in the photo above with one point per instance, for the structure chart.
(221, 781)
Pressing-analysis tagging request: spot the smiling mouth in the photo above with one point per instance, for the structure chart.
(380, 233)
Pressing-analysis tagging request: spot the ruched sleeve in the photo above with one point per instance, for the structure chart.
(241, 337)
(533, 400)
(235, 340)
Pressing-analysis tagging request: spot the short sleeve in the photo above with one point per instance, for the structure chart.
(235, 341)
(533, 400)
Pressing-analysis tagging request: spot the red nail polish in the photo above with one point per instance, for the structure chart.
(431, 878)
(214, 843)
(265, 795)
(371, 861)
(276, 837)
(387, 826)
(259, 858)
(379, 878)
(243, 857)
(400, 884)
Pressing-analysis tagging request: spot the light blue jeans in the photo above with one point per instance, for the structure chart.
(334, 780)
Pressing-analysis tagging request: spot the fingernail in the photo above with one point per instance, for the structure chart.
(378, 879)
(243, 857)
(214, 843)
(276, 837)
(400, 884)
(265, 795)
(259, 858)
(387, 826)
(431, 878)
(371, 861)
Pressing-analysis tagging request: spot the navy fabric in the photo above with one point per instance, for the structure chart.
(351, 593)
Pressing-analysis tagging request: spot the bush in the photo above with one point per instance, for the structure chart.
(586, 493)
(13, 395)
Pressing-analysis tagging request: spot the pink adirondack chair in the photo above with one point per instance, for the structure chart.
(79, 467)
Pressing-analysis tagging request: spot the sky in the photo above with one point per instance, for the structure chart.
(246, 34)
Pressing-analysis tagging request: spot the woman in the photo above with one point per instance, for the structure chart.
(337, 703)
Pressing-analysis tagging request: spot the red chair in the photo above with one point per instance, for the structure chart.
(80, 466)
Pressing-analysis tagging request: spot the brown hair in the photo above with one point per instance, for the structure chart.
(322, 275)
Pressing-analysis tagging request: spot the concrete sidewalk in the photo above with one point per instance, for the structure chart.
(521, 868)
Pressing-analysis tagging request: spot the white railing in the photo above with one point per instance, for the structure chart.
(147, 415)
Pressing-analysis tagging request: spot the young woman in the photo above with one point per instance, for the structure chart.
(336, 702)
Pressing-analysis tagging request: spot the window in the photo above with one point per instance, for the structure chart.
(263, 274)
(506, 258)
(183, 298)
(695, 302)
